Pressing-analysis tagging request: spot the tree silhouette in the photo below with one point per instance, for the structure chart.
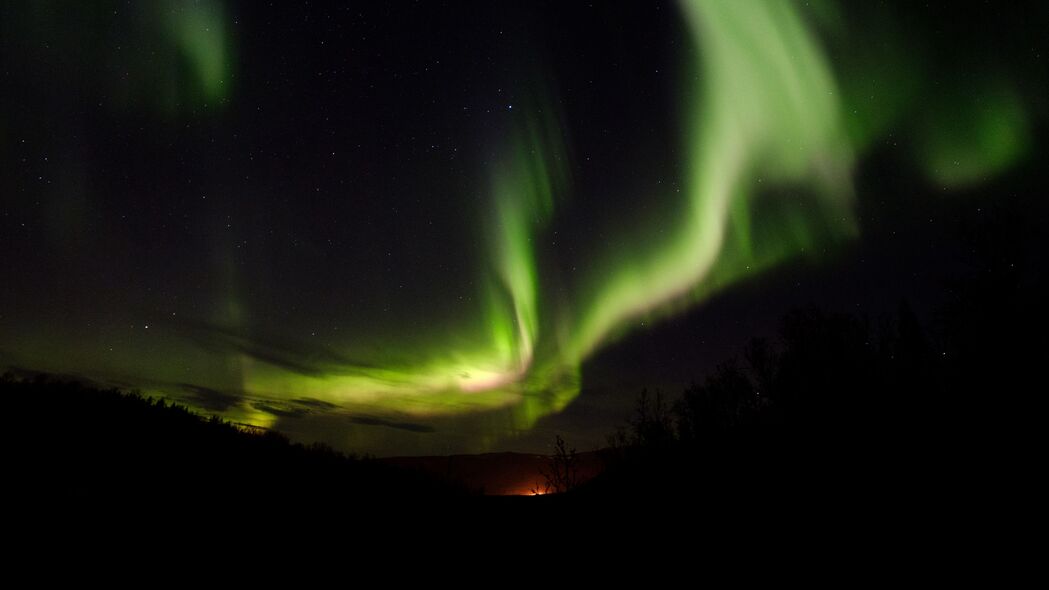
(562, 472)
(651, 425)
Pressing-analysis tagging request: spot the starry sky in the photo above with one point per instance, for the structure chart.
(442, 227)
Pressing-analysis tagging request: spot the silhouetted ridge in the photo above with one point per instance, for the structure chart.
(86, 444)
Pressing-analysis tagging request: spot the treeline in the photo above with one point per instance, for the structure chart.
(839, 407)
(903, 408)
(83, 444)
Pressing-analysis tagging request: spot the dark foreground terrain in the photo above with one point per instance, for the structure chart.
(87, 445)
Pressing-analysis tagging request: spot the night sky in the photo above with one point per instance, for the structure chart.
(443, 227)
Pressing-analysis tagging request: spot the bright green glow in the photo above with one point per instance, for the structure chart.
(769, 138)
(767, 113)
(498, 372)
(199, 31)
(975, 137)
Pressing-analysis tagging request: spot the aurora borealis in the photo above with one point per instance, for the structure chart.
(408, 227)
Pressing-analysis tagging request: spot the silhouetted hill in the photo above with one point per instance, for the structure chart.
(79, 444)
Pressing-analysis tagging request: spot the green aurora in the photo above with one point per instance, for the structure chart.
(765, 112)
(771, 130)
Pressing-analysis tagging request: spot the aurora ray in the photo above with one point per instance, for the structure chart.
(765, 108)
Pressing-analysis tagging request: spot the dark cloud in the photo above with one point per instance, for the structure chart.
(24, 374)
(121, 384)
(296, 356)
(374, 421)
(280, 409)
(295, 408)
(211, 399)
(314, 403)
